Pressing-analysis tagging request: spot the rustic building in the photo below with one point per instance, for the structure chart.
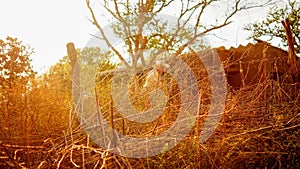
(254, 63)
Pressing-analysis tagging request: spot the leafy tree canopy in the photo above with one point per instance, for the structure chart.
(272, 29)
(89, 58)
(14, 62)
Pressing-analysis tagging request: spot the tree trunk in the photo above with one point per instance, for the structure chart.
(75, 72)
(292, 54)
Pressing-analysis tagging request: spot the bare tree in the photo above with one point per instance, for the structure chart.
(133, 18)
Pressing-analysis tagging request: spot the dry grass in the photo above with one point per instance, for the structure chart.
(259, 129)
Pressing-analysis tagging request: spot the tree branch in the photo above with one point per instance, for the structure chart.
(95, 22)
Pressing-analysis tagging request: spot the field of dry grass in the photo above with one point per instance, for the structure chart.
(259, 129)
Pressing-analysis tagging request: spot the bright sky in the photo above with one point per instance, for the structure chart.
(48, 25)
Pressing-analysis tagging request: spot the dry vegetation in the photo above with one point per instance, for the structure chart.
(259, 129)
(41, 127)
